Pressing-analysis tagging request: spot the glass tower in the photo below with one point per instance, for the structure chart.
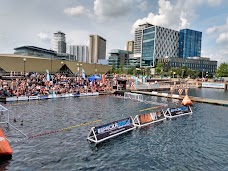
(148, 47)
(190, 43)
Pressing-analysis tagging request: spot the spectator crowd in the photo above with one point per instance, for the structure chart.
(42, 84)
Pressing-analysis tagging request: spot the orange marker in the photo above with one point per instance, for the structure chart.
(5, 149)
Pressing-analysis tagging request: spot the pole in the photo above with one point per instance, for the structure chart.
(51, 64)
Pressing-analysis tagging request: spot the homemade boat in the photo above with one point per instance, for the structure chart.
(178, 111)
(149, 118)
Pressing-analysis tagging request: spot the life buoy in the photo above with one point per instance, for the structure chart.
(5, 149)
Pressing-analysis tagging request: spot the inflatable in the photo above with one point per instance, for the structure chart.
(5, 149)
(186, 101)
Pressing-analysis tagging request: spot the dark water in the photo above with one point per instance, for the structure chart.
(197, 142)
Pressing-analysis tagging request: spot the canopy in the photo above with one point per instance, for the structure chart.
(94, 77)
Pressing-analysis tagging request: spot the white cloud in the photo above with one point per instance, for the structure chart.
(184, 21)
(75, 11)
(214, 2)
(169, 15)
(211, 30)
(143, 6)
(221, 32)
(223, 38)
(44, 37)
(112, 8)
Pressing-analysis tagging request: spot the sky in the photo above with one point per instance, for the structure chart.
(33, 22)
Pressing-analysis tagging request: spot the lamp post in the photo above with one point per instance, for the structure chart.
(174, 74)
(202, 73)
(51, 64)
(171, 74)
(182, 74)
(62, 63)
(81, 68)
(24, 65)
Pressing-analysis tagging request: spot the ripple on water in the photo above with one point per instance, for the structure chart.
(197, 142)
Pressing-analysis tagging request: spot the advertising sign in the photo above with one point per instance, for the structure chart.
(213, 85)
(113, 128)
(145, 118)
(180, 110)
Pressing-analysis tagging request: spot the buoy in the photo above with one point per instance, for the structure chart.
(186, 101)
(5, 149)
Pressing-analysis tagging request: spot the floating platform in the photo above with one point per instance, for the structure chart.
(176, 96)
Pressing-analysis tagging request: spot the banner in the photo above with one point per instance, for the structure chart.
(179, 110)
(145, 118)
(113, 128)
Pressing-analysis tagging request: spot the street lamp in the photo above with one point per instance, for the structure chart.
(62, 64)
(182, 74)
(81, 68)
(202, 73)
(24, 65)
(51, 64)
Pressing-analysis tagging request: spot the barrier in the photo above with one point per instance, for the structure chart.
(104, 132)
(179, 111)
(149, 118)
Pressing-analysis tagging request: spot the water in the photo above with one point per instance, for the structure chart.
(197, 142)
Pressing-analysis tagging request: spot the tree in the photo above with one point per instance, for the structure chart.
(222, 70)
(159, 68)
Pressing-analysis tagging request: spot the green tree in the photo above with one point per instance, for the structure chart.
(222, 70)
(159, 68)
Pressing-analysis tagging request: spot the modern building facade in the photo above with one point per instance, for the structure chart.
(35, 51)
(130, 46)
(138, 39)
(200, 64)
(158, 42)
(119, 57)
(42, 53)
(80, 52)
(97, 48)
(154, 42)
(190, 43)
(59, 42)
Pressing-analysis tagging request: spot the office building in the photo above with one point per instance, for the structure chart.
(138, 39)
(158, 42)
(190, 43)
(35, 51)
(119, 57)
(59, 42)
(80, 52)
(97, 48)
(130, 46)
(200, 64)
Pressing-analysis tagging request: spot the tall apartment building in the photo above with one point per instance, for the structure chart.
(130, 46)
(97, 48)
(190, 43)
(80, 52)
(59, 42)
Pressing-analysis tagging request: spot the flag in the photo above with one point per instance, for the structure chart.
(83, 73)
(48, 76)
